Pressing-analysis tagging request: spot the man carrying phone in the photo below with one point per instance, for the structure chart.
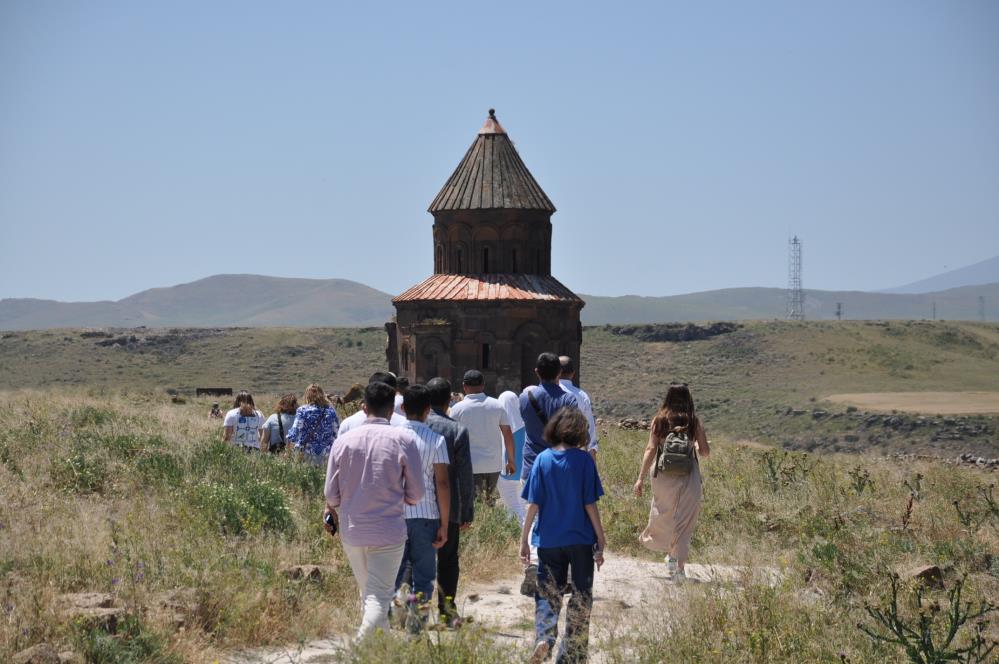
(373, 470)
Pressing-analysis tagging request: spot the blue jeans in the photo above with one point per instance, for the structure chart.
(555, 565)
(421, 555)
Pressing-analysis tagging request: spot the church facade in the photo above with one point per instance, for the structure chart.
(492, 303)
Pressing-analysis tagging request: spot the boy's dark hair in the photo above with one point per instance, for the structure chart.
(402, 384)
(567, 427)
(384, 377)
(416, 400)
(440, 392)
(548, 366)
(379, 398)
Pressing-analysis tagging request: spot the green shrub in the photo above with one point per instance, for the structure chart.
(81, 473)
(132, 643)
(89, 416)
(250, 507)
(158, 467)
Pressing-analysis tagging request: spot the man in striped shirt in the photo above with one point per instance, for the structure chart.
(427, 520)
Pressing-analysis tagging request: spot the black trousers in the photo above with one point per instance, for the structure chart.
(447, 571)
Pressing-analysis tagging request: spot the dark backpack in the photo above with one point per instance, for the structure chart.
(675, 455)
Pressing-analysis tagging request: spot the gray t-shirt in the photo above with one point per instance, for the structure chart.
(274, 431)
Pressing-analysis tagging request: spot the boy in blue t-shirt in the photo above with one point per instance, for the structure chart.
(562, 492)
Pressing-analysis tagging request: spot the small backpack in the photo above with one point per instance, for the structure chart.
(675, 455)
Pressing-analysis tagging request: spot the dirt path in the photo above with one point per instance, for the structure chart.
(623, 589)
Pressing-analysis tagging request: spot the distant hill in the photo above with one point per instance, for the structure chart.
(245, 300)
(768, 303)
(986, 272)
(222, 300)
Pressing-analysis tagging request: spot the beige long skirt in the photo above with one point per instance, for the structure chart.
(676, 503)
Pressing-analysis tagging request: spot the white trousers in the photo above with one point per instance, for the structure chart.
(509, 491)
(375, 569)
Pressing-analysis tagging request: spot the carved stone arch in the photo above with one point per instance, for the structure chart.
(433, 359)
(486, 243)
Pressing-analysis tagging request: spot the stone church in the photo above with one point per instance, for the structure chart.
(492, 303)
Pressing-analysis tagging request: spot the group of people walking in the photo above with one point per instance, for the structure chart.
(403, 474)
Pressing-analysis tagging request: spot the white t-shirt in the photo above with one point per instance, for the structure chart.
(482, 415)
(511, 404)
(433, 449)
(585, 407)
(398, 405)
(245, 428)
(360, 417)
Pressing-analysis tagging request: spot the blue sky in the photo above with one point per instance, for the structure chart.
(145, 144)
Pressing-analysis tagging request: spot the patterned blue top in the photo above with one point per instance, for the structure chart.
(314, 429)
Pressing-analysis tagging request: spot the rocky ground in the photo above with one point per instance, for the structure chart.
(625, 590)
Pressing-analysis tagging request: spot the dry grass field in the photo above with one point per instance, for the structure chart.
(125, 493)
(927, 403)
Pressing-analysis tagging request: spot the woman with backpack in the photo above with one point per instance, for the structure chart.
(315, 427)
(274, 435)
(676, 440)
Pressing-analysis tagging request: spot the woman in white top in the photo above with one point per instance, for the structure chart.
(274, 435)
(242, 424)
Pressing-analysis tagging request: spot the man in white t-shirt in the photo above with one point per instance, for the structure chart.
(361, 416)
(488, 434)
(582, 398)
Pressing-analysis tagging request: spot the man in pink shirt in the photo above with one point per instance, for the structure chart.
(373, 469)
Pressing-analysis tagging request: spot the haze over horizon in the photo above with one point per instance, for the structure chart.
(149, 145)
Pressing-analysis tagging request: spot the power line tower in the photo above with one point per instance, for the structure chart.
(795, 296)
(839, 311)
(981, 308)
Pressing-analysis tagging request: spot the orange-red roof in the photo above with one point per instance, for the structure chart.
(463, 287)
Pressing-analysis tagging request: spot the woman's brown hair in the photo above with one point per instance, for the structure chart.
(676, 415)
(314, 396)
(288, 404)
(567, 427)
(244, 401)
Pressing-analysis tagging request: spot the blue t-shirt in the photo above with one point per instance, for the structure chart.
(551, 398)
(561, 484)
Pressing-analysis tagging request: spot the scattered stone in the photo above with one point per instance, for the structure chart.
(308, 572)
(87, 600)
(70, 657)
(504, 590)
(927, 574)
(474, 597)
(42, 653)
(851, 438)
(819, 414)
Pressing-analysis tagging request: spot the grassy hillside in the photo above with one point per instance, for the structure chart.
(259, 301)
(766, 381)
(130, 495)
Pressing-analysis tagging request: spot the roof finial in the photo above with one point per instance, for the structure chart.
(492, 113)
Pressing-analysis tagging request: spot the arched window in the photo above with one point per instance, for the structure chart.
(485, 260)
(457, 261)
(439, 259)
(514, 266)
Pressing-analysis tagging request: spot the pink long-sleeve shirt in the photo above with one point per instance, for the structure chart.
(372, 471)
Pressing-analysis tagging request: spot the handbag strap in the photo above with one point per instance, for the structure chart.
(281, 425)
(537, 408)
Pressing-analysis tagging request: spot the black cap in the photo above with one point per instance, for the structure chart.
(473, 377)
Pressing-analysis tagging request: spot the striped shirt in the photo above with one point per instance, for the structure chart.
(433, 449)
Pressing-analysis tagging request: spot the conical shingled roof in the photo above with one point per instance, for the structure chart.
(491, 176)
